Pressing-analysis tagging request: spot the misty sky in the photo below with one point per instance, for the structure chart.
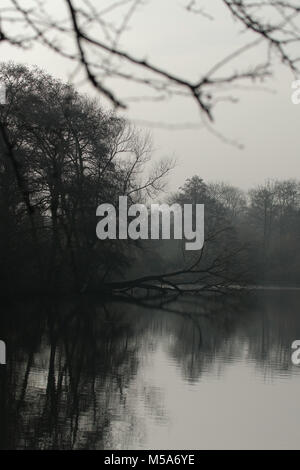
(265, 122)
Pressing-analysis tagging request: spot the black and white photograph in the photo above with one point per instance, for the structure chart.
(149, 227)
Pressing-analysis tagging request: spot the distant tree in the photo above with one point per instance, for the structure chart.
(273, 220)
(263, 209)
(232, 198)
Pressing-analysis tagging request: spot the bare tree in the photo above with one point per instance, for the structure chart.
(91, 37)
(232, 198)
(61, 156)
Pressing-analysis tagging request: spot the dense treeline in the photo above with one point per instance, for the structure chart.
(265, 220)
(61, 155)
(272, 222)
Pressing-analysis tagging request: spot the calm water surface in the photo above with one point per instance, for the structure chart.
(212, 375)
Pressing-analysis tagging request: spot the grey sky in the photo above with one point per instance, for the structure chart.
(265, 122)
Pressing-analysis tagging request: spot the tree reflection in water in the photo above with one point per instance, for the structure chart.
(71, 363)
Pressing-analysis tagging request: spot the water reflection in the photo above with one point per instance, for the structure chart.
(204, 374)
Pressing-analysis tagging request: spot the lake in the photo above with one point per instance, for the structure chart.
(199, 374)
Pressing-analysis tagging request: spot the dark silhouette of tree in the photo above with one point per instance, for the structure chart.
(273, 223)
(62, 156)
(90, 36)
